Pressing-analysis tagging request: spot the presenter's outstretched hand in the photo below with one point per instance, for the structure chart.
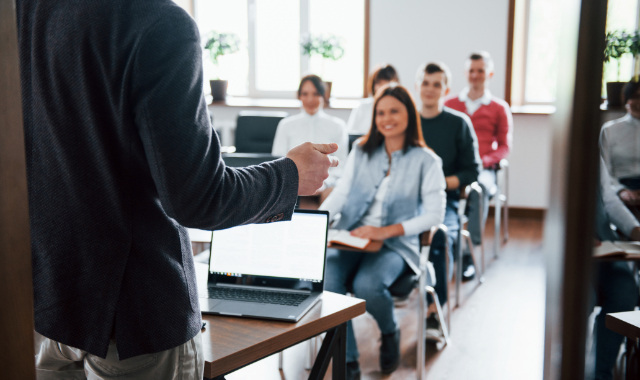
(313, 163)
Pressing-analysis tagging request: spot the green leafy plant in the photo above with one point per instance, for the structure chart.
(618, 43)
(219, 44)
(328, 47)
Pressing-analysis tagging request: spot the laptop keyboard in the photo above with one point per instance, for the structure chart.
(259, 296)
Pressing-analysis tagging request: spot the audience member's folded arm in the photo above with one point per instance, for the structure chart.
(469, 162)
(618, 213)
(433, 200)
(504, 138)
(605, 151)
(338, 197)
(183, 152)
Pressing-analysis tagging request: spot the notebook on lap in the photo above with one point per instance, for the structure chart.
(270, 271)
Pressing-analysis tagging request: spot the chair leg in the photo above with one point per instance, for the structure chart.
(497, 215)
(443, 326)
(448, 287)
(458, 265)
(467, 238)
(422, 326)
(505, 210)
(480, 222)
(506, 203)
(280, 360)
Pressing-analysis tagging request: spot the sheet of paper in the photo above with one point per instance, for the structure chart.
(630, 247)
(344, 237)
(607, 248)
(617, 248)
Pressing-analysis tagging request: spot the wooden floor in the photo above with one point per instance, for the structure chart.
(496, 333)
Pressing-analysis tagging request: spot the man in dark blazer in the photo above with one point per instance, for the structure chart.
(121, 157)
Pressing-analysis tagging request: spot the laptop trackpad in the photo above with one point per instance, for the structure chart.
(236, 307)
(208, 304)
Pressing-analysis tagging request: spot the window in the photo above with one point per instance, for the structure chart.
(536, 36)
(622, 15)
(270, 61)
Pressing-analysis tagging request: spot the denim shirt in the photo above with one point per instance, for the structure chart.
(415, 196)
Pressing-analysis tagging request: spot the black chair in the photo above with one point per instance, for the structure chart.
(240, 160)
(401, 289)
(405, 284)
(463, 235)
(255, 130)
(501, 202)
(352, 138)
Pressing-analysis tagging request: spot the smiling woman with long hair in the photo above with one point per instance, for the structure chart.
(391, 189)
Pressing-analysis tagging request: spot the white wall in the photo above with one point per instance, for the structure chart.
(530, 162)
(406, 33)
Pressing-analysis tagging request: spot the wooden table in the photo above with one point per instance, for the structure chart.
(628, 324)
(232, 343)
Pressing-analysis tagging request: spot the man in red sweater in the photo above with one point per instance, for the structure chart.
(493, 123)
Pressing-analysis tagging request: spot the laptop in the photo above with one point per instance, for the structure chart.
(268, 271)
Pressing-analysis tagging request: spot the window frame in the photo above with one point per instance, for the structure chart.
(305, 6)
(519, 18)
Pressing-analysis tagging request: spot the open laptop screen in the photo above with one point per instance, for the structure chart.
(292, 250)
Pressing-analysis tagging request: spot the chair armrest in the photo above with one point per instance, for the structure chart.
(475, 186)
(427, 236)
(502, 165)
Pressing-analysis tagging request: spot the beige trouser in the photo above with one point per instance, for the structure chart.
(58, 361)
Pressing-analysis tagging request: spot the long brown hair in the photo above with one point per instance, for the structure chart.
(413, 134)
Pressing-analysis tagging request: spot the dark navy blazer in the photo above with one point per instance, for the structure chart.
(120, 156)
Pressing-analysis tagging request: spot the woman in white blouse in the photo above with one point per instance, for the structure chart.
(313, 124)
(361, 116)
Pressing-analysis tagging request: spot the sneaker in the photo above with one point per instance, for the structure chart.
(433, 333)
(390, 352)
(468, 269)
(353, 371)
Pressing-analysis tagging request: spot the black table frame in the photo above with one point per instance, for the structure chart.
(334, 346)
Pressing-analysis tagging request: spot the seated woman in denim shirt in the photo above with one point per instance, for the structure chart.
(391, 189)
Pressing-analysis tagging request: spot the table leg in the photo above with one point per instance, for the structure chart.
(340, 354)
(633, 359)
(333, 347)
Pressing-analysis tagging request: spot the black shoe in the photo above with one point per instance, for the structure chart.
(390, 352)
(433, 333)
(468, 269)
(353, 371)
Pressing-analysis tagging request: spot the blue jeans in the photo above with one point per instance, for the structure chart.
(616, 291)
(369, 275)
(437, 252)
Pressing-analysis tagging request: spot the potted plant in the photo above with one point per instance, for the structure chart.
(219, 44)
(618, 44)
(325, 46)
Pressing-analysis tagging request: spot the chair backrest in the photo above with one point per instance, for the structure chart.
(352, 138)
(255, 130)
(240, 160)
